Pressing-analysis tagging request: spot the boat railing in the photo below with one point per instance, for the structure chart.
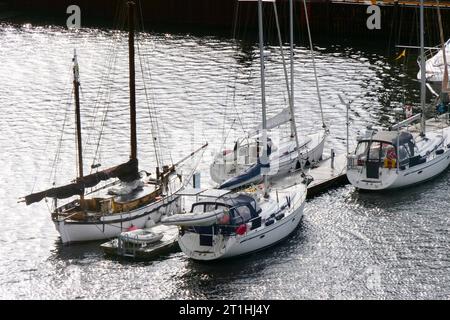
(127, 249)
(406, 122)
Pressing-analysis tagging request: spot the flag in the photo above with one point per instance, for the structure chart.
(401, 55)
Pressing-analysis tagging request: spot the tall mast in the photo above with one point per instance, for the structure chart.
(291, 31)
(422, 70)
(133, 141)
(289, 88)
(76, 87)
(264, 158)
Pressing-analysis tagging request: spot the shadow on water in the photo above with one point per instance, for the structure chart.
(394, 199)
(218, 279)
(76, 251)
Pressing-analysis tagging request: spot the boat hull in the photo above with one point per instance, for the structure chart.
(222, 170)
(224, 246)
(78, 231)
(397, 178)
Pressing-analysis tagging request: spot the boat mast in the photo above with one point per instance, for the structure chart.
(289, 92)
(293, 123)
(291, 31)
(133, 155)
(264, 158)
(76, 87)
(422, 70)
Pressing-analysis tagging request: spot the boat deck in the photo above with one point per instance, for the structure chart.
(431, 125)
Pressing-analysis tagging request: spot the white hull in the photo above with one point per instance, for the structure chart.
(403, 178)
(224, 167)
(75, 231)
(391, 178)
(227, 246)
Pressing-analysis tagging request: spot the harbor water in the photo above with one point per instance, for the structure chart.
(203, 87)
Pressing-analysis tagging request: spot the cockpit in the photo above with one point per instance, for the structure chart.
(238, 209)
(387, 149)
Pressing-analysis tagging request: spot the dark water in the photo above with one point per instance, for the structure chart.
(349, 245)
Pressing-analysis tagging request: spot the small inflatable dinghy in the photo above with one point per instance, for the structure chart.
(194, 219)
(140, 236)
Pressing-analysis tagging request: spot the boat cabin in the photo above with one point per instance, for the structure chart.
(239, 208)
(386, 149)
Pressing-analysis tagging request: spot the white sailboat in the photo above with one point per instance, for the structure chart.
(435, 66)
(132, 200)
(223, 224)
(239, 166)
(405, 155)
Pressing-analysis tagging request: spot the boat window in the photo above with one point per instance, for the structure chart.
(374, 151)
(403, 153)
(198, 208)
(210, 207)
(242, 214)
(361, 150)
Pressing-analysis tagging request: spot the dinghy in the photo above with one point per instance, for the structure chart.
(195, 219)
(141, 236)
(144, 250)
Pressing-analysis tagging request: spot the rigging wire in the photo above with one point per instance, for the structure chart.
(155, 127)
(107, 79)
(56, 159)
(314, 65)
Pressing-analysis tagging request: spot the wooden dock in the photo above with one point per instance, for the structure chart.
(328, 174)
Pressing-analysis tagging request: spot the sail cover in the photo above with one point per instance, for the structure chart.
(277, 120)
(126, 172)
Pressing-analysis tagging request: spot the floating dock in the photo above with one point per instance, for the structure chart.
(329, 173)
(166, 245)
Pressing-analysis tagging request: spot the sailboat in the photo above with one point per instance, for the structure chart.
(130, 201)
(240, 166)
(404, 155)
(224, 223)
(435, 66)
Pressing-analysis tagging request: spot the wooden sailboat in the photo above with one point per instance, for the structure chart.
(129, 201)
(405, 155)
(240, 166)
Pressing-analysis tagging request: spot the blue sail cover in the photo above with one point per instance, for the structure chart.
(249, 176)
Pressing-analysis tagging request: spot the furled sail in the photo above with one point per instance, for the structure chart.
(126, 172)
(276, 121)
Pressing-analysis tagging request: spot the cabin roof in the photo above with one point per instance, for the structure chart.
(233, 200)
(392, 137)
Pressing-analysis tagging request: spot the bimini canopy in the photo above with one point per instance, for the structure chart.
(234, 200)
(393, 137)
